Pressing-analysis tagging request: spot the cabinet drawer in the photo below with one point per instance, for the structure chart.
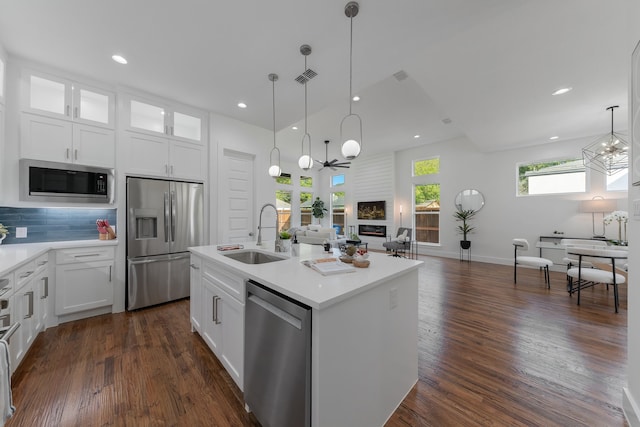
(25, 273)
(6, 290)
(68, 256)
(225, 279)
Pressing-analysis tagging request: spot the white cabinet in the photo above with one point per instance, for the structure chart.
(61, 98)
(67, 122)
(163, 140)
(221, 315)
(84, 279)
(195, 301)
(41, 292)
(24, 306)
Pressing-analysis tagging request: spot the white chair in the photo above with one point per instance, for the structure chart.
(588, 277)
(532, 261)
(571, 260)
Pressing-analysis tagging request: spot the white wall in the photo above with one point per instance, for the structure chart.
(504, 215)
(632, 393)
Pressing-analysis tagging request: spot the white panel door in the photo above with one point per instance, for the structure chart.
(237, 201)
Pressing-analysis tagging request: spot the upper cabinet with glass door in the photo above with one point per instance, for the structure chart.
(169, 120)
(61, 98)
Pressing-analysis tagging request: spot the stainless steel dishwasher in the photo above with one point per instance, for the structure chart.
(277, 358)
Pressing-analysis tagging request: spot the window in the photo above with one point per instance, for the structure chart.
(427, 213)
(283, 204)
(337, 211)
(284, 178)
(337, 180)
(306, 199)
(306, 181)
(426, 167)
(552, 177)
(618, 181)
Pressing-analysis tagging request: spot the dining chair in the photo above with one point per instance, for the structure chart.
(531, 261)
(603, 271)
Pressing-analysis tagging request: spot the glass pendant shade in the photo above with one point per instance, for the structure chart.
(274, 170)
(305, 162)
(350, 149)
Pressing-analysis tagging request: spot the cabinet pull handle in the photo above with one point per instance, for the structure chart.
(171, 169)
(85, 255)
(110, 273)
(213, 306)
(166, 130)
(26, 274)
(75, 113)
(171, 130)
(195, 267)
(30, 295)
(7, 336)
(46, 288)
(166, 169)
(6, 320)
(68, 110)
(40, 264)
(4, 304)
(66, 156)
(215, 302)
(75, 154)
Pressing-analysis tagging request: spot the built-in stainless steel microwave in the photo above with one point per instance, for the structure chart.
(61, 182)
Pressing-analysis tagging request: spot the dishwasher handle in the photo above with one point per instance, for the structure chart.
(278, 312)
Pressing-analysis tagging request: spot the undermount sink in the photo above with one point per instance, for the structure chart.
(254, 257)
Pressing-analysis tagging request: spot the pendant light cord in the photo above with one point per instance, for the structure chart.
(351, 65)
(273, 85)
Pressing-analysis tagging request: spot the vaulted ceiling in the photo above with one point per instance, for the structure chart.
(486, 67)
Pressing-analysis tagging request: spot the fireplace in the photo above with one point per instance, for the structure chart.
(372, 230)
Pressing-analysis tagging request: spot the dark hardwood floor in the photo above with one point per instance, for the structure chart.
(490, 353)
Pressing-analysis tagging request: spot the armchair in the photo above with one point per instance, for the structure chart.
(400, 244)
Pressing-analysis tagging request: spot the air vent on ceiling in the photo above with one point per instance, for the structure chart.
(306, 76)
(400, 75)
(446, 120)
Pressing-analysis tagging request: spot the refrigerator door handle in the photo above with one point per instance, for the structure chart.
(174, 203)
(166, 216)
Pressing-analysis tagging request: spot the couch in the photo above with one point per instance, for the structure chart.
(314, 234)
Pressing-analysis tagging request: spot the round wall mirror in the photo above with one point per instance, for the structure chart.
(469, 199)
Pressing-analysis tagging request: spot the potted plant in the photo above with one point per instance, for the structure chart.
(285, 239)
(318, 209)
(464, 215)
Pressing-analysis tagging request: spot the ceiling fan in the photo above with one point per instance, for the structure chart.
(333, 164)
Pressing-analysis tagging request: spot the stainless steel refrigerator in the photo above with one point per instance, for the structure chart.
(164, 218)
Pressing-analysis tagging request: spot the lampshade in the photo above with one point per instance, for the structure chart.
(274, 170)
(608, 154)
(598, 206)
(305, 162)
(350, 149)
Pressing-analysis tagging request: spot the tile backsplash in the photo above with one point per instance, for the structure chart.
(54, 224)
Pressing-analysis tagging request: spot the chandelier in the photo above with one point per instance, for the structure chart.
(609, 153)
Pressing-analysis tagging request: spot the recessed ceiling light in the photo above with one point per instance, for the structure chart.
(356, 98)
(294, 127)
(416, 136)
(119, 59)
(561, 91)
(554, 137)
(242, 105)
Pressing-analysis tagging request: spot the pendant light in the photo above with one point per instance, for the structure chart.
(274, 169)
(306, 161)
(351, 148)
(608, 154)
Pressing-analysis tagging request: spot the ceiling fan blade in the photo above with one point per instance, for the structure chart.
(333, 161)
(319, 162)
(341, 166)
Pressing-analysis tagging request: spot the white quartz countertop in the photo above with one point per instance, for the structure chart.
(295, 280)
(14, 255)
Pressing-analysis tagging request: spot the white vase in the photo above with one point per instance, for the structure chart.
(286, 245)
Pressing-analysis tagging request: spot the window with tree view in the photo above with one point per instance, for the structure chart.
(426, 166)
(551, 177)
(283, 204)
(306, 199)
(427, 213)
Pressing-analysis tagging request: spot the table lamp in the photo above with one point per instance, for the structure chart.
(597, 205)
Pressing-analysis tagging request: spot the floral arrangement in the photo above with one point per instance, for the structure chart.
(3, 229)
(622, 217)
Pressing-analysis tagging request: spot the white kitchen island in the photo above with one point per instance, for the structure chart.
(364, 353)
